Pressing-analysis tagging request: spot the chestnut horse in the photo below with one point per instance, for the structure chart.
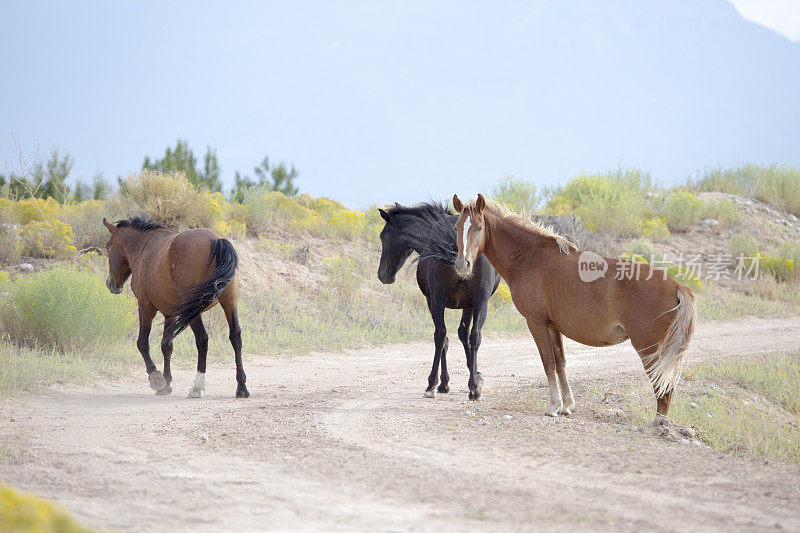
(556, 297)
(181, 275)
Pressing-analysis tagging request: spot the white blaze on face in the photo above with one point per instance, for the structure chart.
(467, 224)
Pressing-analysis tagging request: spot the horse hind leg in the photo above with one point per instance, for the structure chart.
(201, 341)
(228, 300)
(561, 370)
(166, 351)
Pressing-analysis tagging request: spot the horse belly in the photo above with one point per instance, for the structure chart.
(593, 333)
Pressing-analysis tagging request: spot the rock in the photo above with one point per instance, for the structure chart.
(470, 413)
(685, 442)
(615, 411)
(792, 217)
(693, 405)
(688, 432)
(27, 268)
(203, 438)
(696, 443)
(507, 417)
(709, 222)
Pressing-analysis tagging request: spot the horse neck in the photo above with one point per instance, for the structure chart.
(416, 232)
(503, 243)
(133, 242)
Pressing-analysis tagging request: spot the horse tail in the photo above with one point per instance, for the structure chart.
(666, 363)
(201, 295)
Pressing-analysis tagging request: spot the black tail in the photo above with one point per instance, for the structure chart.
(203, 294)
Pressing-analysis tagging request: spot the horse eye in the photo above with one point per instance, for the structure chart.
(480, 228)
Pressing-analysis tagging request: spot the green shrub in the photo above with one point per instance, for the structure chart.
(344, 276)
(641, 247)
(28, 514)
(744, 244)
(722, 210)
(9, 240)
(683, 210)
(170, 199)
(612, 203)
(517, 194)
(66, 309)
(52, 240)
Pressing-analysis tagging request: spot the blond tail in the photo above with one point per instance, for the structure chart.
(666, 363)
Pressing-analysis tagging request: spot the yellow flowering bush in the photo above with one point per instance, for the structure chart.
(655, 229)
(501, 298)
(47, 239)
(28, 514)
(348, 224)
(29, 209)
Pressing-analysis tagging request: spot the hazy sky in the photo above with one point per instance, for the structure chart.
(383, 101)
(783, 16)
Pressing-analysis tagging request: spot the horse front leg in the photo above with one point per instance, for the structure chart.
(463, 333)
(146, 315)
(541, 334)
(440, 342)
(561, 369)
(475, 379)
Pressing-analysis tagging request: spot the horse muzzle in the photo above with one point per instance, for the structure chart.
(463, 267)
(113, 287)
(386, 279)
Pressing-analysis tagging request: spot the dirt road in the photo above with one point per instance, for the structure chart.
(346, 442)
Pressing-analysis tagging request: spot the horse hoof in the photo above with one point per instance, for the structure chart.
(242, 392)
(157, 381)
(166, 391)
(564, 411)
(429, 394)
(444, 389)
(553, 410)
(475, 396)
(195, 393)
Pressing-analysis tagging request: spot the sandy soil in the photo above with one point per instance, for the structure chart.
(346, 442)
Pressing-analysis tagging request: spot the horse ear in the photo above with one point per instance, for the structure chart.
(111, 227)
(384, 214)
(457, 205)
(480, 203)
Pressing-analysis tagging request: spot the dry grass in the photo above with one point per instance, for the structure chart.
(778, 185)
(170, 199)
(747, 407)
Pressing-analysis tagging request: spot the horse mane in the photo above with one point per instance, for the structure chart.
(525, 223)
(141, 223)
(433, 235)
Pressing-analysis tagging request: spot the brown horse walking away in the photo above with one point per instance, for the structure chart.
(562, 292)
(182, 275)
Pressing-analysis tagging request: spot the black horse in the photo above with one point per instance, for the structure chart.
(429, 230)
